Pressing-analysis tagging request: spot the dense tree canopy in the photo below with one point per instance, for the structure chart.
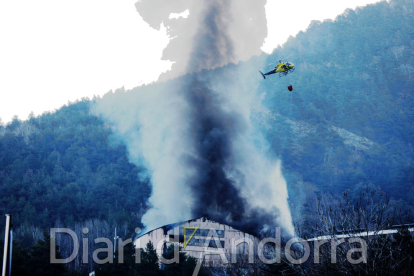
(63, 167)
(350, 118)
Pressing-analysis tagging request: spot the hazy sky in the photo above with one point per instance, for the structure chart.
(54, 51)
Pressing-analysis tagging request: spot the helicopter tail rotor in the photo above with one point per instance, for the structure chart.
(264, 77)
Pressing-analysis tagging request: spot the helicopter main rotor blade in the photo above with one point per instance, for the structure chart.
(270, 64)
(277, 61)
(287, 57)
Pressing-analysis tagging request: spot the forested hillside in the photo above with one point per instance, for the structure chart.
(348, 124)
(62, 168)
(349, 121)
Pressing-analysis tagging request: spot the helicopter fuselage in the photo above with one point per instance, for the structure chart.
(283, 68)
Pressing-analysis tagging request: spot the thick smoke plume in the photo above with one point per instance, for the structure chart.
(195, 133)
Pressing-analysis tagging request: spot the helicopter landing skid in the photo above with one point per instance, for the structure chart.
(281, 74)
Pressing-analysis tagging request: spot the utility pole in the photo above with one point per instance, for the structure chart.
(115, 240)
(8, 246)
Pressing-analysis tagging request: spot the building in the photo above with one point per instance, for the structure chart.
(200, 237)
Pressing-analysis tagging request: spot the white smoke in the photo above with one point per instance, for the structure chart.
(160, 124)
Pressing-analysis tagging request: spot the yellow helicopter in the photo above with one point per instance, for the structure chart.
(283, 68)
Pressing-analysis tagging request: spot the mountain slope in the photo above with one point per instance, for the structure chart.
(347, 123)
(354, 74)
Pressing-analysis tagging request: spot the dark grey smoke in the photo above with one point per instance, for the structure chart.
(195, 134)
(213, 131)
(213, 45)
(213, 128)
